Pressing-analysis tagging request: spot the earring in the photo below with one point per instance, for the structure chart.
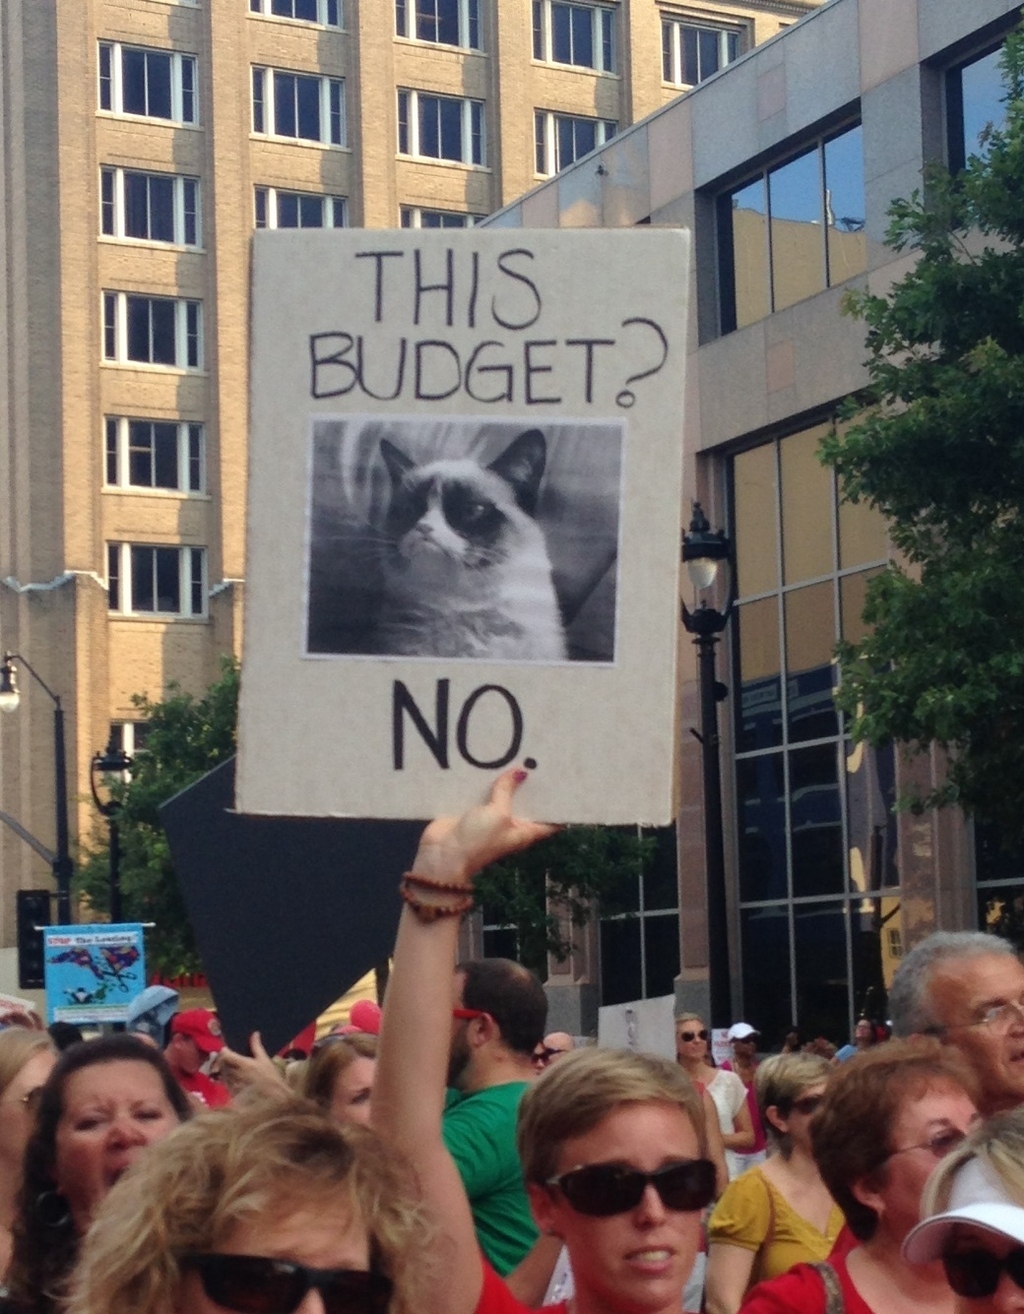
(52, 1209)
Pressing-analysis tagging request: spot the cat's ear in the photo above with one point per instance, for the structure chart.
(397, 462)
(521, 464)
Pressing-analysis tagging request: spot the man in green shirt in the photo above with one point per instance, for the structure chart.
(499, 1012)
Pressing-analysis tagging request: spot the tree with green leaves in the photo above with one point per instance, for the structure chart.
(186, 736)
(937, 445)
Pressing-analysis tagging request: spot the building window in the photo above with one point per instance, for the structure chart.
(445, 22)
(975, 93)
(441, 127)
(152, 330)
(278, 209)
(640, 939)
(298, 106)
(328, 13)
(415, 217)
(154, 454)
(166, 581)
(563, 138)
(691, 52)
(793, 230)
(151, 207)
(816, 834)
(128, 737)
(155, 84)
(579, 34)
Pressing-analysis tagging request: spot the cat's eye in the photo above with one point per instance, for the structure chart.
(474, 510)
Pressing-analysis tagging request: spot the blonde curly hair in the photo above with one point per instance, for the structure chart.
(228, 1166)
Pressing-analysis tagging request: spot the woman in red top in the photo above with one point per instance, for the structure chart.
(887, 1118)
(612, 1143)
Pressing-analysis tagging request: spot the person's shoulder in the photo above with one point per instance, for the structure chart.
(801, 1290)
(495, 1297)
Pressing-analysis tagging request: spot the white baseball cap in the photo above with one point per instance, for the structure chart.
(741, 1031)
(977, 1197)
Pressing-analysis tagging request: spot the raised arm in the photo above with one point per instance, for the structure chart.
(408, 1094)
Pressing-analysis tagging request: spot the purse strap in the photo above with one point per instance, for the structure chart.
(834, 1303)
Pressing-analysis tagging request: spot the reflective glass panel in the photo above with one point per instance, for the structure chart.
(756, 632)
(764, 942)
(982, 91)
(815, 819)
(853, 591)
(871, 824)
(754, 492)
(810, 671)
(822, 976)
(158, 85)
(875, 951)
(661, 889)
(844, 205)
(621, 976)
(807, 502)
(993, 860)
(749, 218)
(309, 108)
(1001, 912)
(761, 806)
(798, 256)
(661, 948)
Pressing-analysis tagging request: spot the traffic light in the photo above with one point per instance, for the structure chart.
(33, 909)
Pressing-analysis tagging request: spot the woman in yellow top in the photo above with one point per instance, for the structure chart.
(779, 1213)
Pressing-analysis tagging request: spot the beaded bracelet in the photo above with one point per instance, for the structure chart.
(431, 912)
(410, 878)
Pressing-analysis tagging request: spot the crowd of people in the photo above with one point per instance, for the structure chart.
(453, 1157)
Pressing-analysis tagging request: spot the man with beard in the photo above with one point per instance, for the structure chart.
(498, 1016)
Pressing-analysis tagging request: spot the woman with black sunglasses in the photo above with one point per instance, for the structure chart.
(974, 1226)
(778, 1213)
(266, 1208)
(612, 1144)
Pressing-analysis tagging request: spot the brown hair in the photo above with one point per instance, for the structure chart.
(231, 1165)
(851, 1131)
(574, 1094)
(330, 1061)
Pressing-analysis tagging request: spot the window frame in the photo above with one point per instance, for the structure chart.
(673, 26)
(330, 13)
(472, 129)
(547, 150)
(114, 206)
(266, 207)
(263, 106)
(123, 567)
(121, 434)
(603, 35)
(416, 213)
(183, 77)
(188, 331)
(468, 20)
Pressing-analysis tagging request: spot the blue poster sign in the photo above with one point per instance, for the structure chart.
(93, 972)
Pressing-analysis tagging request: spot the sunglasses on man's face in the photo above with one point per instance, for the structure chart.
(603, 1189)
(975, 1274)
(252, 1284)
(693, 1035)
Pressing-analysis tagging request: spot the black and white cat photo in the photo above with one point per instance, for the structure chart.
(465, 568)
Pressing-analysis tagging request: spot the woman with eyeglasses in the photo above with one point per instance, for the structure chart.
(270, 1207)
(974, 1224)
(780, 1212)
(611, 1143)
(726, 1088)
(103, 1104)
(888, 1119)
(26, 1058)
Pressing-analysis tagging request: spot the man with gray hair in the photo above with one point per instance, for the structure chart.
(967, 988)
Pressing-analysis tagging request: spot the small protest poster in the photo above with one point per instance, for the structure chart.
(465, 486)
(93, 972)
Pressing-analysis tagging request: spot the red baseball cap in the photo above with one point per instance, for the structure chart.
(200, 1025)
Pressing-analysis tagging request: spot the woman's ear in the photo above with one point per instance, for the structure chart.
(865, 1191)
(542, 1205)
(776, 1119)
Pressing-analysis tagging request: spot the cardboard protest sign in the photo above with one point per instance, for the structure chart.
(464, 522)
(92, 973)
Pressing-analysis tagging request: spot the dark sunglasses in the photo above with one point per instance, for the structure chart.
(941, 1144)
(603, 1189)
(252, 1284)
(975, 1274)
(693, 1035)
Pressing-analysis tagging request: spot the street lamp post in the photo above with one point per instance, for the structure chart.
(704, 550)
(114, 762)
(10, 697)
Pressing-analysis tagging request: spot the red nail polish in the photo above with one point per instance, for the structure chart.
(520, 776)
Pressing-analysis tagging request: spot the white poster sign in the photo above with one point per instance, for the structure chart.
(464, 522)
